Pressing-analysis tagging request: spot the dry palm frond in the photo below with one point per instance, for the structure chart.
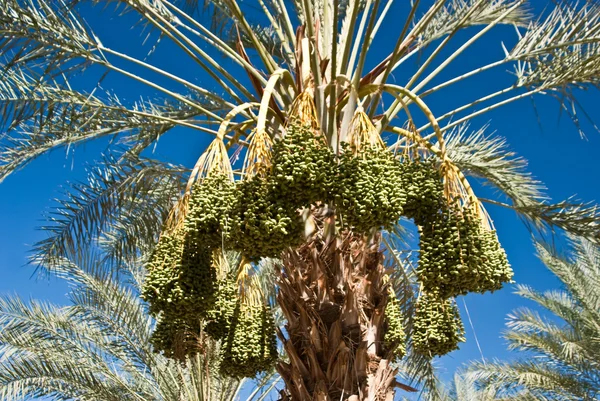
(455, 189)
(245, 279)
(220, 262)
(460, 194)
(213, 161)
(176, 217)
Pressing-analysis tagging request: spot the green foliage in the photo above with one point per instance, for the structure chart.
(266, 224)
(251, 346)
(130, 195)
(437, 327)
(303, 166)
(98, 346)
(369, 190)
(562, 349)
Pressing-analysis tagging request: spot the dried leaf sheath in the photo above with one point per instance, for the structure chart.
(333, 292)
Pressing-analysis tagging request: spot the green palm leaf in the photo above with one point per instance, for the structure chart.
(564, 345)
(98, 347)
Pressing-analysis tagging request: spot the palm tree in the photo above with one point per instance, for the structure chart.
(563, 348)
(281, 62)
(462, 388)
(98, 347)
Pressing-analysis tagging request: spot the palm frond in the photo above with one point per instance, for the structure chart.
(98, 348)
(561, 50)
(558, 303)
(464, 387)
(60, 344)
(555, 55)
(488, 157)
(104, 300)
(116, 191)
(465, 13)
(541, 380)
(132, 232)
(45, 116)
(581, 276)
(529, 332)
(572, 216)
(46, 36)
(268, 36)
(563, 362)
(422, 370)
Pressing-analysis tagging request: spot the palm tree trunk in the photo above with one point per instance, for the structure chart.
(333, 294)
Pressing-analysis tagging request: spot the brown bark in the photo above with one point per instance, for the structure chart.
(332, 292)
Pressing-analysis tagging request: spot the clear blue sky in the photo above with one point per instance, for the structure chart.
(566, 163)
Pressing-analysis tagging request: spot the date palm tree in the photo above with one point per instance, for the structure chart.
(98, 347)
(563, 348)
(463, 387)
(261, 61)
